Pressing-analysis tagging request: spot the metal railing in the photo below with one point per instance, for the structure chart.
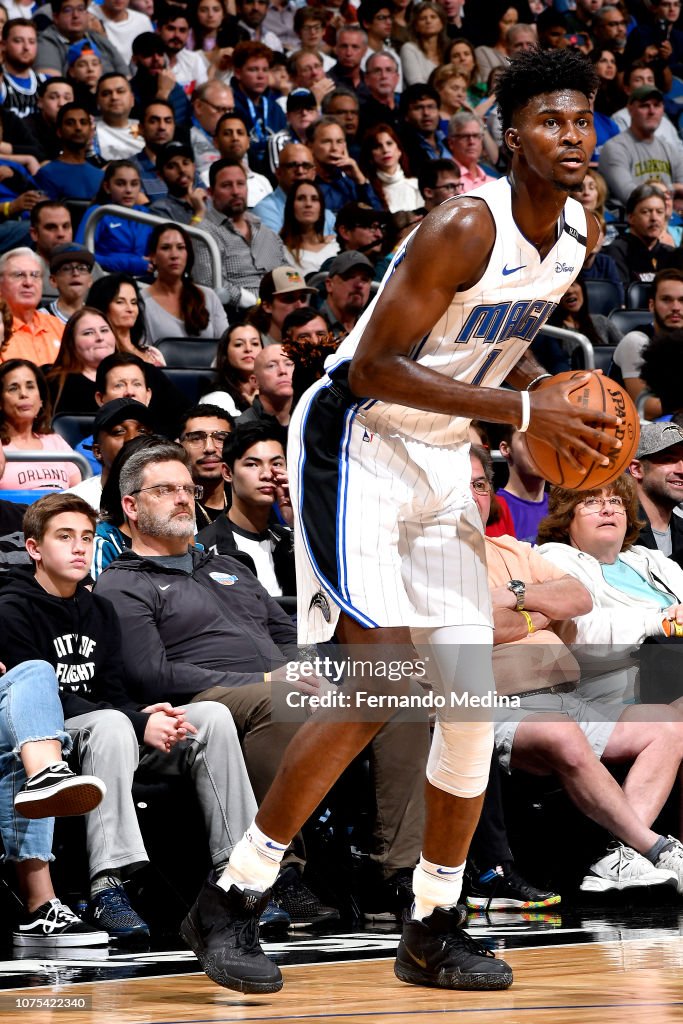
(41, 456)
(572, 340)
(148, 218)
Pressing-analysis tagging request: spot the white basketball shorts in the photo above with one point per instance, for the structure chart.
(386, 528)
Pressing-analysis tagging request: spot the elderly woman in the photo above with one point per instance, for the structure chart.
(637, 592)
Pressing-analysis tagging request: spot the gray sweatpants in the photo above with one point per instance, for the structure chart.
(106, 746)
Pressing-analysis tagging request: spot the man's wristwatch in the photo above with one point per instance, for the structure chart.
(518, 588)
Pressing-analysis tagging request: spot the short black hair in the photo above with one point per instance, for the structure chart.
(206, 411)
(231, 115)
(430, 171)
(67, 109)
(156, 103)
(661, 368)
(246, 435)
(46, 204)
(57, 80)
(219, 165)
(107, 76)
(414, 93)
(300, 317)
(534, 72)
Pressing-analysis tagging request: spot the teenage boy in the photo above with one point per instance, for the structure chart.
(49, 613)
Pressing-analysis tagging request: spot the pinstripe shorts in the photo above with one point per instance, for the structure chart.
(386, 527)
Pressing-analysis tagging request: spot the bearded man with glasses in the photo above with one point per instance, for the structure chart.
(203, 432)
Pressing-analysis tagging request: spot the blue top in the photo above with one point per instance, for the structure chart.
(69, 181)
(120, 244)
(526, 515)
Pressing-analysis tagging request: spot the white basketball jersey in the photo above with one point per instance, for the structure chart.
(487, 328)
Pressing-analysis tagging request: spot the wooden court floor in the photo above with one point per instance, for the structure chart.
(616, 982)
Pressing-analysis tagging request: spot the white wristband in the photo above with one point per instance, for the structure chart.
(526, 412)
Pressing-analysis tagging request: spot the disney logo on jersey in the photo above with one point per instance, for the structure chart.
(562, 268)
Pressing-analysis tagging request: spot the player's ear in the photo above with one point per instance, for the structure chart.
(512, 138)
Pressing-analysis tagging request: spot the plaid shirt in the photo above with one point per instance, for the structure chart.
(243, 263)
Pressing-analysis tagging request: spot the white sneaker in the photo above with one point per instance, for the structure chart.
(623, 868)
(671, 859)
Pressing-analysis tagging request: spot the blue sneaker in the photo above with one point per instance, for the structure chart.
(274, 919)
(111, 910)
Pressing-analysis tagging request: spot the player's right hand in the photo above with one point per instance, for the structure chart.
(573, 431)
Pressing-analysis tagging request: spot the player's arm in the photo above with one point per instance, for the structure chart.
(448, 252)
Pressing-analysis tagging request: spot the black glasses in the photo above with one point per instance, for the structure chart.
(196, 437)
(166, 490)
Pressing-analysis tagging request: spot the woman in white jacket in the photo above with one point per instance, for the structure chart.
(637, 592)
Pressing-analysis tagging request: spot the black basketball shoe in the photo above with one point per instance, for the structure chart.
(222, 931)
(437, 951)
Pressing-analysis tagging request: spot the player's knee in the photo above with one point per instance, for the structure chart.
(460, 761)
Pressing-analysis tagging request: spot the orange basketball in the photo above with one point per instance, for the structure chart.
(602, 394)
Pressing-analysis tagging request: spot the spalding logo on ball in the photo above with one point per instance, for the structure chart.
(603, 395)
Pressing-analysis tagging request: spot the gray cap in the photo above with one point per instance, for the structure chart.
(657, 437)
(349, 260)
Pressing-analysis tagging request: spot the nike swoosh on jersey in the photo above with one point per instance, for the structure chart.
(119, 223)
(164, 588)
(512, 270)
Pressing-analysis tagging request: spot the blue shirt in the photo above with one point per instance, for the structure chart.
(526, 515)
(69, 181)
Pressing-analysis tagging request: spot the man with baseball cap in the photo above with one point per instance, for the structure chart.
(302, 110)
(636, 155)
(658, 472)
(115, 423)
(282, 290)
(71, 275)
(184, 204)
(348, 290)
(361, 229)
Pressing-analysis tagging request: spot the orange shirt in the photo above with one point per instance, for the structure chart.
(38, 341)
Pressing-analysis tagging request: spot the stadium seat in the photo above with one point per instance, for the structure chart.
(638, 295)
(626, 320)
(73, 427)
(603, 296)
(602, 356)
(188, 353)
(192, 382)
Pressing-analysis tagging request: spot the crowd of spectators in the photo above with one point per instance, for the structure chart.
(197, 201)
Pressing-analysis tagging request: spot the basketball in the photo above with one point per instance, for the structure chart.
(602, 394)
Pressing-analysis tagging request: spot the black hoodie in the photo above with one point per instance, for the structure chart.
(79, 636)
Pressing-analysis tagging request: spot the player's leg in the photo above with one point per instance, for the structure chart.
(313, 761)
(434, 950)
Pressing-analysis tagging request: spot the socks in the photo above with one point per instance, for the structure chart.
(435, 885)
(107, 880)
(254, 863)
(663, 843)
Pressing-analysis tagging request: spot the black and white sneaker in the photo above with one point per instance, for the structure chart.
(54, 925)
(437, 951)
(56, 792)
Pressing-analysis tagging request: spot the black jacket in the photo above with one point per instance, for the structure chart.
(186, 632)
(79, 636)
(219, 538)
(647, 538)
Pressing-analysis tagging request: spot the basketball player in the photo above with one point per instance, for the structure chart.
(390, 546)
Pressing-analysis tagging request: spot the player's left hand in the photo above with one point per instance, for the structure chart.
(574, 431)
